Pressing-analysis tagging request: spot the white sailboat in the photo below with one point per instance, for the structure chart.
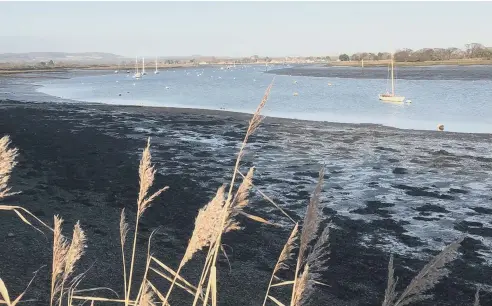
(156, 71)
(137, 74)
(143, 67)
(391, 97)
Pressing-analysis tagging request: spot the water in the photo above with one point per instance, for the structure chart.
(462, 105)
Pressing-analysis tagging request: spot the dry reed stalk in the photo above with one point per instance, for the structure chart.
(317, 258)
(147, 265)
(100, 299)
(275, 301)
(239, 202)
(123, 234)
(173, 274)
(310, 227)
(184, 286)
(425, 280)
(253, 125)
(302, 284)
(156, 291)
(60, 250)
(207, 228)
(147, 297)
(146, 179)
(312, 219)
(73, 254)
(390, 293)
(18, 209)
(229, 214)
(213, 285)
(270, 200)
(284, 257)
(4, 293)
(7, 163)
(206, 267)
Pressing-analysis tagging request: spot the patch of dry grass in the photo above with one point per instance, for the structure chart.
(305, 249)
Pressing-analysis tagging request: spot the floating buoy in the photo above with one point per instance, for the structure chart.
(296, 94)
(295, 82)
(440, 127)
(329, 84)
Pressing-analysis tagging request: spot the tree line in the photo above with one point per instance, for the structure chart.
(473, 50)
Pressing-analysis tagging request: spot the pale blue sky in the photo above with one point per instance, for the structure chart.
(241, 28)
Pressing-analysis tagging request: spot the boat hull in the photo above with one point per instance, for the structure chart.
(391, 98)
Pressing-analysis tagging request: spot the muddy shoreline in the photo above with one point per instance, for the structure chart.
(80, 161)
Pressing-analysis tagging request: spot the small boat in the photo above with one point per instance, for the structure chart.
(156, 71)
(143, 67)
(137, 74)
(391, 97)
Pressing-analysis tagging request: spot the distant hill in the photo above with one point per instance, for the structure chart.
(83, 57)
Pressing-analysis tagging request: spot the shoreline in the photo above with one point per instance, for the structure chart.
(380, 63)
(235, 114)
(73, 73)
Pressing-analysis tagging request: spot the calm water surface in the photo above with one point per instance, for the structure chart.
(350, 95)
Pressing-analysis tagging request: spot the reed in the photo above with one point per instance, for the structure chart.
(425, 280)
(146, 173)
(7, 163)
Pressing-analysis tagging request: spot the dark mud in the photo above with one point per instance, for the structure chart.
(81, 161)
(464, 73)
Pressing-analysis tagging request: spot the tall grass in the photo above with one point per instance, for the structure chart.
(305, 252)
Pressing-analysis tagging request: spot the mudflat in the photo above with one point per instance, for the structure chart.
(387, 191)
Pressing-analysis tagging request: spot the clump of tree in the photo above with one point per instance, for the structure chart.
(471, 51)
(344, 57)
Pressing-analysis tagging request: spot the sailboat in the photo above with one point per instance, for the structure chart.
(137, 74)
(143, 67)
(391, 97)
(156, 71)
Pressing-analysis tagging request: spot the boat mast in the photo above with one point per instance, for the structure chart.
(392, 79)
(156, 63)
(143, 65)
(136, 65)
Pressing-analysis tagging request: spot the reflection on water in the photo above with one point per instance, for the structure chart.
(461, 105)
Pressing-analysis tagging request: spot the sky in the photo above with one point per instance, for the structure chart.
(240, 28)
